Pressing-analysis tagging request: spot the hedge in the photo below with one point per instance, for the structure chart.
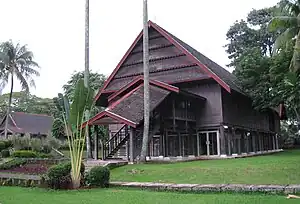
(24, 154)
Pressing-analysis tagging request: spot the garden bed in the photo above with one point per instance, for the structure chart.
(29, 168)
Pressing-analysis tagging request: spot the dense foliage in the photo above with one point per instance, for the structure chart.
(5, 153)
(98, 176)
(264, 75)
(59, 176)
(12, 163)
(24, 154)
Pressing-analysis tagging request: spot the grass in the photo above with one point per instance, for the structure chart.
(280, 168)
(13, 195)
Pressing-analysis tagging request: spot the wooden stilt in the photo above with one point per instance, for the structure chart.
(131, 138)
(96, 142)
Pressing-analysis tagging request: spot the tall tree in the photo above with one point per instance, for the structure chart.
(287, 24)
(16, 61)
(86, 73)
(96, 81)
(28, 103)
(265, 76)
(146, 83)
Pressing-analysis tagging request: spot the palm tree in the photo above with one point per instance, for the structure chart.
(16, 61)
(287, 24)
(87, 73)
(146, 83)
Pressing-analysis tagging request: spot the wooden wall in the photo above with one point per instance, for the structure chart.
(238, 110)
(210, 112)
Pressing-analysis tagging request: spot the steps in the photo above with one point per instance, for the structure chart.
(89, 164)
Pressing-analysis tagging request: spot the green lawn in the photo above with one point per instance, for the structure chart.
(15, 195)
(280, 168)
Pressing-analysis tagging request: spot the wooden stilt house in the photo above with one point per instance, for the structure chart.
(197, 107)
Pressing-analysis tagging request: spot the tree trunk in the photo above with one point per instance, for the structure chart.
(146, 83)
(8, 107)
(86, 75)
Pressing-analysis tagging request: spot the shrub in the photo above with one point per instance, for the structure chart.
(46, 149)
(36, 144)
(98, 176)
(43, 155)
(24, 154)
(12, 163)
(8, 143)
(2, 145)
(59, 175)
(5, 153)
(21, 143)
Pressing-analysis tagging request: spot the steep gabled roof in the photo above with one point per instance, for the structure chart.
(129, 109)
(221, 72)
(192, 62)
(28, 123)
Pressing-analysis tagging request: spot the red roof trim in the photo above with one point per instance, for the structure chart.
(124, 88)
(164, 85)
(170, 82)
(119, 65)
(170, 39)
(111, 115)
(140, 78)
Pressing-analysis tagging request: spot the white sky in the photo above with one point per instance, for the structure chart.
(54, 31)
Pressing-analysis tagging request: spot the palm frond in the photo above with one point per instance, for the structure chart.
(282, 22)
(284, 38)
(26, 55)
(4, 58)
(29, 71)
(22, 80)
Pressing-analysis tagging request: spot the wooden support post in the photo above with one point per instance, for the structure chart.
(239, 144)
(229, 142)
(179, 144)
(166, 144)
(253, 141)
(222, 141)
(246, 135)
(259, 141)
(96, 142)
(161, 142)
(90, 134)
(273, 142)
(174, 115)
(276, 141)
(131, 138)
(235, 146)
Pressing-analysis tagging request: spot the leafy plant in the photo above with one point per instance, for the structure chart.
(59, 176)
(36, 144)
(2, 145)
(5, 153)
(98, 176)
(76, 134)
(7, 143)
(12, 163)
(24, 154)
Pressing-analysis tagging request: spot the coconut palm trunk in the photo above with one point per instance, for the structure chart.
(86, 74)
(146, 83)
(8, 106)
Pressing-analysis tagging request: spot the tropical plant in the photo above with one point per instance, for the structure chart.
(16, 61)
(98, 176)
(287, 24)
(73, 118)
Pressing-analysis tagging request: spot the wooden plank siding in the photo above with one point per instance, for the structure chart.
(239, 111)
(210, 112)
(167, 64)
